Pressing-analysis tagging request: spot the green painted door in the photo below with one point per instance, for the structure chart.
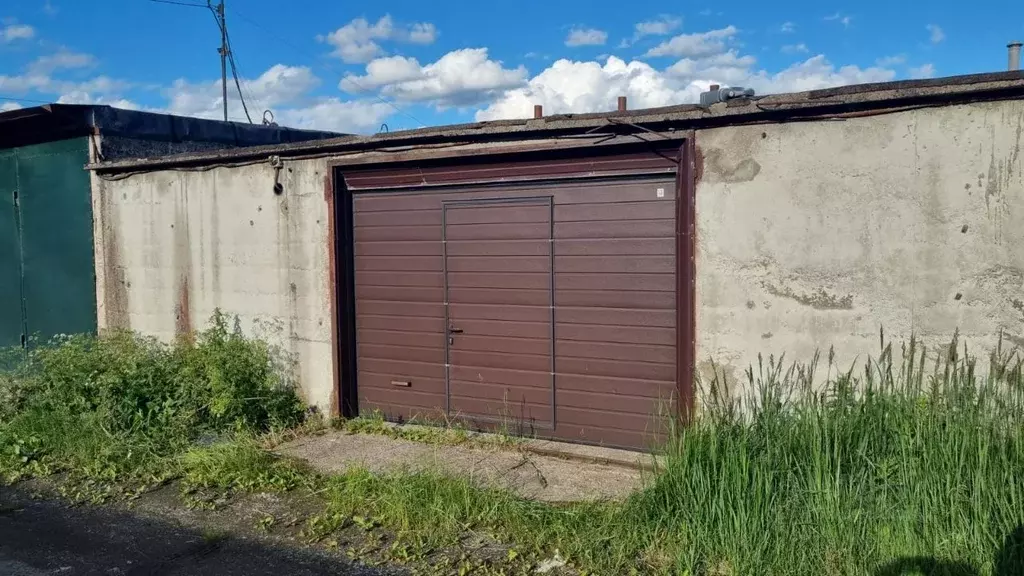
(56, 235)
(12, 324)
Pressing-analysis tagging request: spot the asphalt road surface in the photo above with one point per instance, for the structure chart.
(39, 537)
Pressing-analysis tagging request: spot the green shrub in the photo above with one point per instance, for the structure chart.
(122, 404)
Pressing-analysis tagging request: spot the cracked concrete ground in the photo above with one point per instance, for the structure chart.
(535, 476)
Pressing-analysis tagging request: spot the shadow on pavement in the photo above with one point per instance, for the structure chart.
(40, 537)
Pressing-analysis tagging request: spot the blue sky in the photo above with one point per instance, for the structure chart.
(351, 66)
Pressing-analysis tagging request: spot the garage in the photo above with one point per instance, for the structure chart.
(539, 296)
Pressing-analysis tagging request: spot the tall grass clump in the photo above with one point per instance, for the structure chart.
(913, 460)
(122, 406)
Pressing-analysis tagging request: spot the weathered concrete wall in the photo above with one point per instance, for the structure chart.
(817, 234)
(173, 246)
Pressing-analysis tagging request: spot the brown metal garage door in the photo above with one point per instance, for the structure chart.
(547, 309)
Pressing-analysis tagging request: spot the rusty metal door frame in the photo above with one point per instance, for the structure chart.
(686, 276)
(540, 200)
(341, 263)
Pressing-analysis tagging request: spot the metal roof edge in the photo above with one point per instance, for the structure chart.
(880, 97)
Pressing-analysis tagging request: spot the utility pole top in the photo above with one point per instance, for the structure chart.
(223, 56)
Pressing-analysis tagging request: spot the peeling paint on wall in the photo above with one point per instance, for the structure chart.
(717, 168)
(913, 221)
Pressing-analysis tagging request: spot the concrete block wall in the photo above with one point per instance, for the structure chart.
(173, 246)
(817, 234)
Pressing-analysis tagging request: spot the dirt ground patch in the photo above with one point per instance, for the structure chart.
(530, 475)
(154, 535)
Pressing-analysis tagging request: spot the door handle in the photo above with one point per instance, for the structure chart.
(454, 330)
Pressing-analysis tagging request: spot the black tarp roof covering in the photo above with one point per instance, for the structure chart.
(61, 121)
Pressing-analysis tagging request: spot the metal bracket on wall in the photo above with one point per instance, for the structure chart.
(277, 164)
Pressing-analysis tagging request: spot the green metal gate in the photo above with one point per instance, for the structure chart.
(47, 275)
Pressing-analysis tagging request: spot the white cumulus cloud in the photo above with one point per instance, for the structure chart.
(575, 87)
(695, 45)
(83, 97)
(794, 48)
(661, 26)
(333, 114)
(586, 37)
(288, 92)
(787, 28)
(9, 106)
(923, 71)
(359, 40)
(935, 33)
(572, 86)
(460, 78)
(891, 60)
(843, 19)
(279, 85)
(12, 32)
(61, 60)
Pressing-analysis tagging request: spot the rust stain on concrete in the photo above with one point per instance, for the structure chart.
(182, 265)
(183, 309)
(115, 285)
(698, 163)
(215, 240)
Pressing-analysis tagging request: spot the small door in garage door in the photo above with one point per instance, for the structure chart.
(499, 311)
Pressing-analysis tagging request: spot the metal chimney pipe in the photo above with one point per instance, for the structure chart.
(538, 111)
(622, 103)
(1014, 55)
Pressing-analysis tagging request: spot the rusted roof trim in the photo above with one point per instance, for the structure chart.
(880, 97)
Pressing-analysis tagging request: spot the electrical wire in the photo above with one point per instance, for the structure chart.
(235, 74)
(13, 99)
(246, 86)
(352, 79)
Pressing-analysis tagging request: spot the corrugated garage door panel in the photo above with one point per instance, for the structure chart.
(399, 309)
(484, 344)
(614, 294)
(615, 309)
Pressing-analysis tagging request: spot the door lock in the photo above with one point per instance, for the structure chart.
(452, 330)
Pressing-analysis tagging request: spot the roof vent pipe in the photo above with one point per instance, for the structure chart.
(622, 103)
(538, 111)
(718, 94)
(1014, 55)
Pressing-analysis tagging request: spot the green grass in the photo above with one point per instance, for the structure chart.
(903, 458)
(913, 460)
